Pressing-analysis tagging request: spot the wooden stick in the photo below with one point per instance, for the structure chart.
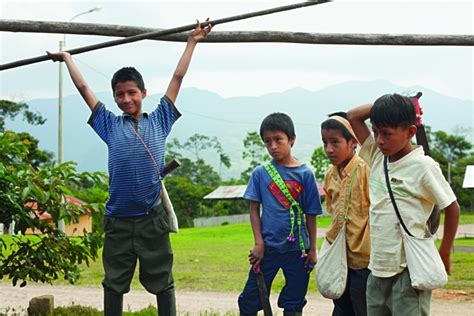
(180, 29)
(241, 36)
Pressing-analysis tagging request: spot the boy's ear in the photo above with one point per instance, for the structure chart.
(143, 93)
(292, 140)
(353, 144)
(412, 130)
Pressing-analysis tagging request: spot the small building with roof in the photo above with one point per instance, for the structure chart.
(73, 228)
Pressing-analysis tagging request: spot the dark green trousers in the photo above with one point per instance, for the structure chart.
(396, 296)
(144, 239)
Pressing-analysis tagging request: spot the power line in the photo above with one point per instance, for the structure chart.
(213, 118)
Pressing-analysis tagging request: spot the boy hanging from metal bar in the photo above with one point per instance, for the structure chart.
(136, 227)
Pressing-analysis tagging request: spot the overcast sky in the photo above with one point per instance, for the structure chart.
(246, 69)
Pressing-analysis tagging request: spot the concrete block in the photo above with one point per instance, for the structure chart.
(41, 305)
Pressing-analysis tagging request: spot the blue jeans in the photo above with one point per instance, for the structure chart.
(353, 301)
(292, 296)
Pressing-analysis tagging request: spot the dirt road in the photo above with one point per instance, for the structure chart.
(195, 303)
(444, 302)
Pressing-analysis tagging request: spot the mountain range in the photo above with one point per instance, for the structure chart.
(229, 119)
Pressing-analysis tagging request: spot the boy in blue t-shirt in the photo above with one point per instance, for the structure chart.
(276, 246)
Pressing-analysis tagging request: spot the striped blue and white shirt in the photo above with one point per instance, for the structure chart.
(134, 185)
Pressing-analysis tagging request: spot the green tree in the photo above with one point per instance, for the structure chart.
(24, 188)
(197, 169)
(453, 153)
(36, 156)
(195, 178)
(187, 199)
(320, 163)
(449, 148)
(254, 152)
(10, 109)
(465, 196)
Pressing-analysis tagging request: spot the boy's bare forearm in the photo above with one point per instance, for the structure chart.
(175, 84)
(360, 113)
(357, 117)
(256, 223)
(80, 83)
(312, 231)
(451, 222)
(180, 72)
(185, 60)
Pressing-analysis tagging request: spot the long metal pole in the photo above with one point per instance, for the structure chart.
(62, 45)
(60, 108)
(180, 29)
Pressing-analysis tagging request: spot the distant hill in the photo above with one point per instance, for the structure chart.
(230, 119)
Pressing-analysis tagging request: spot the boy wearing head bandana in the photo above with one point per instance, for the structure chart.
(346, 187)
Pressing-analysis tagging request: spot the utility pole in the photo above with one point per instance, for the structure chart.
(62, 46)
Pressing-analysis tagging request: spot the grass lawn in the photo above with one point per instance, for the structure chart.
(466, 218)
(215, 259)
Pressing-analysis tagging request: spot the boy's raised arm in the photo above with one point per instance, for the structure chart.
(183, 64)
(357, 117)
(76, 76)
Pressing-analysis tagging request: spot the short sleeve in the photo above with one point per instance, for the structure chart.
(165, 115)
(328, 197)
(369, 150)
(101, 121)
(435, 188)
(311, 203)
(252, 192)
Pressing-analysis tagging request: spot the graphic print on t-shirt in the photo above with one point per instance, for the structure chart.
(293, 186)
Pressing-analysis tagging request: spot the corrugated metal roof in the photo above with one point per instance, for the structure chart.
(227, 192)
(237, 192)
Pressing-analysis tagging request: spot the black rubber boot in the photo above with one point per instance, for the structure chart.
(166, 302)
(113, 303)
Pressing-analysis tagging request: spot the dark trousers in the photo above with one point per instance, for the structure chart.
(292, 296)
(144, 239)
(395, 296)
(353, 301)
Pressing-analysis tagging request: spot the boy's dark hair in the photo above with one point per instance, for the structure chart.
(128, 74)
(393, 110)
(333, 124)
(278, 122)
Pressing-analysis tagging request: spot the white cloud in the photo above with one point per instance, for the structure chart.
(239, 69)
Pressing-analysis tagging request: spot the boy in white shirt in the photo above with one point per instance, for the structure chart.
(417, 184)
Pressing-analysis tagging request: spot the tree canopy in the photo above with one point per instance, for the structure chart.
(29, 186)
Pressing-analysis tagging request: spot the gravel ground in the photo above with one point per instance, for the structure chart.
(445, 302)
(194, 303)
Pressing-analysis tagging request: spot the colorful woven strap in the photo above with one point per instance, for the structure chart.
(273, 173)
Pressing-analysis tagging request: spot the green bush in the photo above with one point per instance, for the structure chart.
(77, 310)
